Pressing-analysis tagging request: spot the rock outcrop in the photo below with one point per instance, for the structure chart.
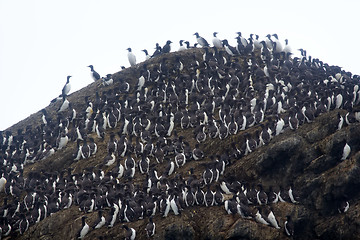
(308, 159)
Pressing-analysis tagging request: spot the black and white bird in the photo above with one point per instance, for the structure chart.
(100, 221)
(289, 226)
(93, 73)
(2, 184)
(110, 158)
(182, 46)
(167, 48)
(277, 46)
(23, 224)
(147, 56)
(343, 206)
(216, 41)
(130, 233)
(259, 217)
(197, 153)
(158, 50)
(62, 141)
(131, 57)
(107, 81)
(287, 48)
(346, 151)
(201, 41)
(180, 159)
(270, 217)
(150, 228)
(67, 87)
(84, 229)
(229, 49)
(64, 105)
(341, 121)
(243, 40)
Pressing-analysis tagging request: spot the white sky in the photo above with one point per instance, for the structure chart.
(42, 41)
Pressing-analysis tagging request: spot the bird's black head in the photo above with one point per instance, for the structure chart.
(90, 66)
(196, 34)
(129, 49)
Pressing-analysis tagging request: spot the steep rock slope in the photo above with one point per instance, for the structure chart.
(308, 159)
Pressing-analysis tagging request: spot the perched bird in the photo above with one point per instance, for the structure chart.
(289, 226)
(341, 121)
(93, 73)
(346, 151)
(279, 126)
(255, 41)
(343, 206)
(231, 206)
(84, 229)
(110, 220)
(110, 158)
(166, 48)
(64, 105)
(270, 217)
(182, 46)
(259, 217)
(229, 49)
(150, 228)
(100, 221)
(130, 233)
(131, 57)
(67, 87)
(277, 46)
(23, 224)
(158, 50)
(180, 159)
(2, 184)
(62, 141)
(243, 40)
(216, 41)
(350, 118)
(292, 195)
(147, 56)
(201, 40)
(287, 48)
(107, 81)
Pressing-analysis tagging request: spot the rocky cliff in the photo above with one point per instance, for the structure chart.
(192, 84)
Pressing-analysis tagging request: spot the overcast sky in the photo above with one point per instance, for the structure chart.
(41, 42)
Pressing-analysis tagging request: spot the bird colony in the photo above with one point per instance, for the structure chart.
(152, 128)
